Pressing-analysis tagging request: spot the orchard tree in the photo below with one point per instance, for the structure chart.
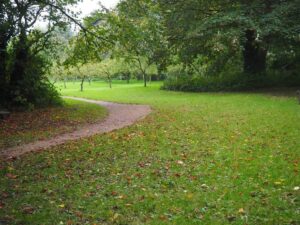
(57, 73)
(107, 69)
(61, 38)
(91, 45)
(135, 35)
(141, 39)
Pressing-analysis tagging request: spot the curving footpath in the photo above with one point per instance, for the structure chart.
(119, 116)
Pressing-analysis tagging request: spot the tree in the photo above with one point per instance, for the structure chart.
(136, 37)
(136, 34)
(91, 45)
(22, 45)
(7, 31)
(141, 36)
(216, 28)
(61, 39)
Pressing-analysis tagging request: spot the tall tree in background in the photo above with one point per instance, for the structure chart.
(7, 31)
(216, 28)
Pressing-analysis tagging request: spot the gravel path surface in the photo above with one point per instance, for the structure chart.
(119, 116)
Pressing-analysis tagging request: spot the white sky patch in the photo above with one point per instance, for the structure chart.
(86, 7)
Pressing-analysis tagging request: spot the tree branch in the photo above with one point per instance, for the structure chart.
(78, 23)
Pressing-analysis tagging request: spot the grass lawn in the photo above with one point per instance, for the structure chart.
(197, 159)
(24, 127)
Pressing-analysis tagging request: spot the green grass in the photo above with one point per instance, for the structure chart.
(197, 159)
(24, 127)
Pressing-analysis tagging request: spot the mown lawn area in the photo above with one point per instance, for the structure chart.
(198, 158)
(24, 127)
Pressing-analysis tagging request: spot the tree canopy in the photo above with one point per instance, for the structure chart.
(198, 45)
(23, 64)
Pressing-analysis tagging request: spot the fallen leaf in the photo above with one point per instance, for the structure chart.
(28, 209)
(113, 193)
(115, 217)
(204, 186)
(120, 197)
(11, 176)
(70, 222)
(241, 211)
(179, 162)
(61, 206)
(190, 196)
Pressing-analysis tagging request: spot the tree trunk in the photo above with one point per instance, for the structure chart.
(81, 85)
(5, 36)
(143, 72)
(20, 60)
(89, 79)
(255, 55)
(159, 72)
(65, 85)
(3, 81)
(109, 80)
(145, 79)
(2, 62)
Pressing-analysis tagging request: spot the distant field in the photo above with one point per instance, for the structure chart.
(100, 85)
(199, 158)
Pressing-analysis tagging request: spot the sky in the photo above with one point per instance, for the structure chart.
(85, 7)
(88, 6)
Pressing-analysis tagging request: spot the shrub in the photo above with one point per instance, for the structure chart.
(231, 82)
(298, 95)
(34, 90)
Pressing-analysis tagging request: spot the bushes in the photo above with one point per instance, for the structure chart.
(33, 89)
(202, 84)
(231, 82)
(30, 94)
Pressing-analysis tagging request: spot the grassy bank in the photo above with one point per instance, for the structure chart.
(197, 159)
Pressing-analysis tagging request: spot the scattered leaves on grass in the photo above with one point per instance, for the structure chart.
(173, 167)
(241, 211)
(11, 176)
(28, 209)
(24, 127)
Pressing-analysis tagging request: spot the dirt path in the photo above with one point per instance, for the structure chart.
(119, 116)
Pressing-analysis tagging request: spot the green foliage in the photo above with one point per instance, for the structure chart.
(215, 31)
(203, 38)
(136, 37)
(141, 36)
(24, 50)
(206, 84)
(230, 82)
(34, 89)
